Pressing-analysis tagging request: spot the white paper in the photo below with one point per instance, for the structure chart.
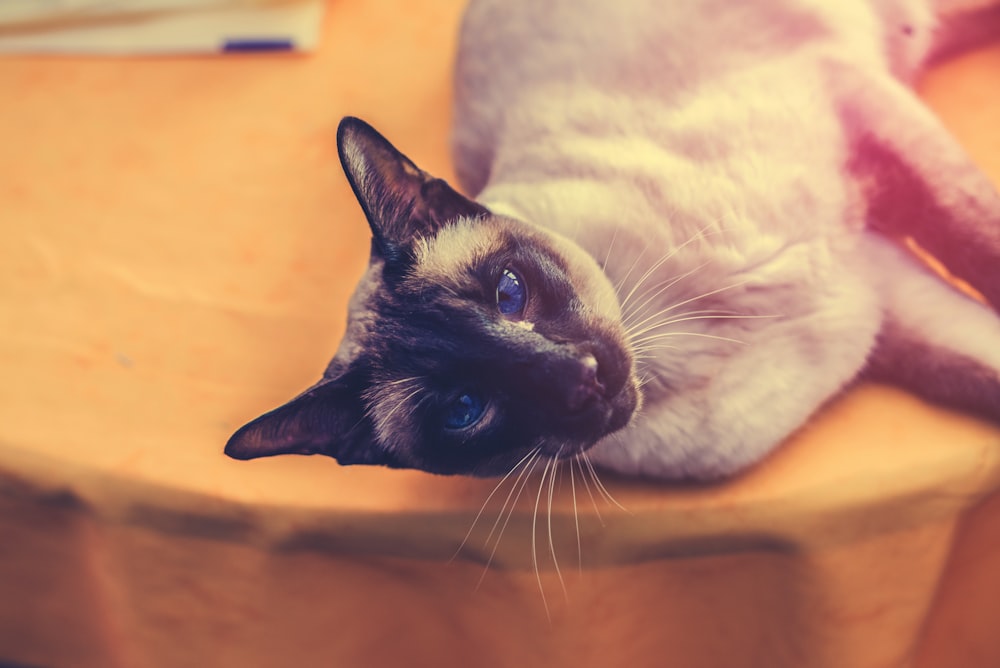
(156, 26)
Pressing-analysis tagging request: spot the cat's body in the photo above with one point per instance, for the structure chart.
(728, 128)
(738, 174)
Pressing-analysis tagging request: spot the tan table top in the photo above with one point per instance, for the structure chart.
(179, 244)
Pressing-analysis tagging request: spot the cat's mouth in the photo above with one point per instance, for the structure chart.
(602, 415)
(593, 400)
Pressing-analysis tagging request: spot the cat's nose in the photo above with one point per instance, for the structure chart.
(587, 386)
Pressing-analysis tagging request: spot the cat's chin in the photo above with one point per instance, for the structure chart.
(622, 414)
(621, 409)
(600, 418)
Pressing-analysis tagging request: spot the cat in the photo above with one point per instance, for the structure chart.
(683, 237)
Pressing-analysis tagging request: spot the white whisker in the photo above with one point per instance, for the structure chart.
(583, 477)
(400, 381)
(667, 256)
(701, 296)
(519, 484)
(552, 546)
(657, 337)
(644, 380)
(600, 486)
(694, 315)
(482, 508)
(607, 256)
(656, 265)
(383, 422)
(642, 327)
(620, 284)
(525, 473)
(576, 517)
(647, 346)
(656, 290)
(534, 542)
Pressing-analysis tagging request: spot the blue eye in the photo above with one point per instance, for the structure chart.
(511, 293)
(464, 412)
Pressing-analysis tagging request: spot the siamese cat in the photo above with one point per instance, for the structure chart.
(682, 236)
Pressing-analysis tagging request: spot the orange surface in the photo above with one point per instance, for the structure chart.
(179, 244)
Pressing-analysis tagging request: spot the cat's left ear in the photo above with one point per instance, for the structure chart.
(401, 201)
(327, 419)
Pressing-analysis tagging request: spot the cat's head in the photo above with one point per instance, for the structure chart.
(473, 339)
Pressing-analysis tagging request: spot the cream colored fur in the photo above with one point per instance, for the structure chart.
(706, 147)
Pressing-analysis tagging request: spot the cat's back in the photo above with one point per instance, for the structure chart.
(665, 46)
(512, 53)
(626, 45)
(564, 63)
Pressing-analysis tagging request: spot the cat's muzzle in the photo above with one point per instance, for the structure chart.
(592, 398)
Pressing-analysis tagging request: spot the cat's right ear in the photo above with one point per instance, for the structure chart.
(327, 419)
(401, 201)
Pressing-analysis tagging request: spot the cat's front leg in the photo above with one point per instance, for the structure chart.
(935, 341)
(713, 411)
(918, 182)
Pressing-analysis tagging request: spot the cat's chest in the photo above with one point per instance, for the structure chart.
(727, 343)
(689, 308)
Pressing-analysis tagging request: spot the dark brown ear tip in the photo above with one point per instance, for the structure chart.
(347, 133)
(352, 129)
(236, 447)
(249, 442)
(348, 125)
(353, 123)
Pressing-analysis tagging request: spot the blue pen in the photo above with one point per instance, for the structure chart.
(257, 45)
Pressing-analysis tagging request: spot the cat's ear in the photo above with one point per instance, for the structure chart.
(327, 419)
(401, 201)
